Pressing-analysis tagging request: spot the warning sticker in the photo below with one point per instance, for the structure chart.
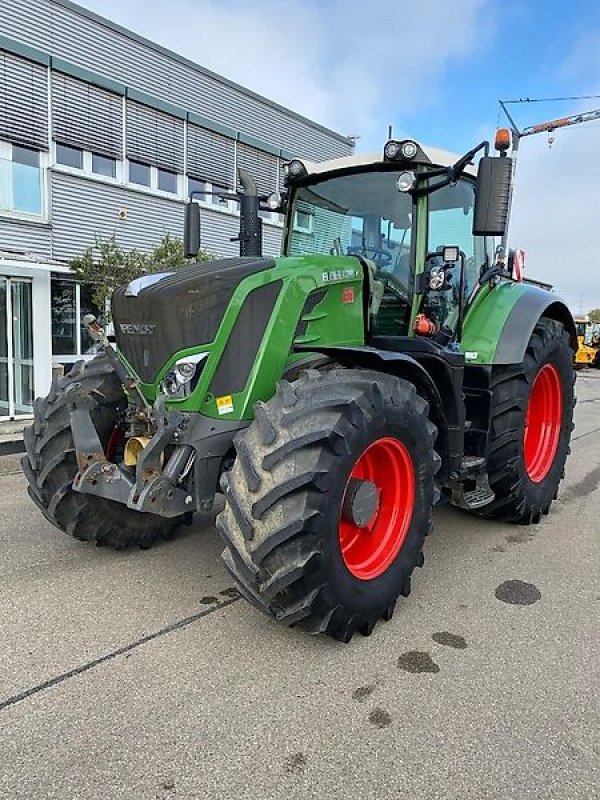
(225, 404)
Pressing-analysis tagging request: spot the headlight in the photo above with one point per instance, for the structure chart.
(400, 151)
(293, 170)
(437, 278)
(391, 149)
(408, 149)
(274, 201)
(182, 378)
(186, 370)
(406, 181)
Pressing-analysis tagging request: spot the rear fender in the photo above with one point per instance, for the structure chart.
(499, 323)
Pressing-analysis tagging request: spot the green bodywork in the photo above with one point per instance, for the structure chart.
(336, 320)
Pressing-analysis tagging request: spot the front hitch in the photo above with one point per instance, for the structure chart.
(153, 491)
(200, 447)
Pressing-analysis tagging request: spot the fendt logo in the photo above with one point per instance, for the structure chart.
(137, 328)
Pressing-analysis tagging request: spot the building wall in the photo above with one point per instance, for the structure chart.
(84, 209)
(21, 236)
(78, 36)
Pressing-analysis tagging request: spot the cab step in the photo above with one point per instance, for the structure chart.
(478, 497)
(471, 464)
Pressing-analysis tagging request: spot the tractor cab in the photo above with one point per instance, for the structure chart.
(409, 216)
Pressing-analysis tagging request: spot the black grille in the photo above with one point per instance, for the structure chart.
(244, 340)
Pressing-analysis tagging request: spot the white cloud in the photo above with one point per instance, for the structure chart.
(556, 212)
(352, 65)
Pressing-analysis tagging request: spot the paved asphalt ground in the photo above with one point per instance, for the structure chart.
(140, 675)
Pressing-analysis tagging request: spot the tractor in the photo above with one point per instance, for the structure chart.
(386, 362)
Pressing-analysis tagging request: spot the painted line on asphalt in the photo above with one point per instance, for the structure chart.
(174, 626)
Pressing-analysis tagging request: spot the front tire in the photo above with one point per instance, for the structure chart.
(50, 464)
(302, 542)
(532, 421)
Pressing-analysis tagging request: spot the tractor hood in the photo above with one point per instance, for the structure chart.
(162, 313)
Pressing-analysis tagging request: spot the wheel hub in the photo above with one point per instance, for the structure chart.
(361, 502)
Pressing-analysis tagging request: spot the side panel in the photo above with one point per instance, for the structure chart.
(500, 322)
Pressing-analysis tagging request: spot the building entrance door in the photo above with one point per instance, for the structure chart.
(16, 348)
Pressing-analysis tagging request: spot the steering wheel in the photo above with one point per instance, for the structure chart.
(393, 285)
(381, 258)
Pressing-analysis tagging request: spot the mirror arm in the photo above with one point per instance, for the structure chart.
(458, 168)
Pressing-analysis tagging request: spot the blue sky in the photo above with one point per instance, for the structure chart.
(435, 70)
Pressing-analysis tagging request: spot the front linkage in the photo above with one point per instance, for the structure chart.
(176, 473)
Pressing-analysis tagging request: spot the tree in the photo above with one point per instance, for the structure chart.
(595, 314)
(105, 266)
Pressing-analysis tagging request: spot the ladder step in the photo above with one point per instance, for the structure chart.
(472, 463)
(477, 498)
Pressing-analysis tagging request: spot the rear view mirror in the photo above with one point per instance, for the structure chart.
(191, 231)
(492, 201)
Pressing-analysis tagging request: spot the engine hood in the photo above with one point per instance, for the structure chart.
(162, 313)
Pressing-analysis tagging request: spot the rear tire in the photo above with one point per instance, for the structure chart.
(282, 524)
(525, 479)
(50, 464)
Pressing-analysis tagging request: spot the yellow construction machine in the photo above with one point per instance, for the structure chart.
(588, 352)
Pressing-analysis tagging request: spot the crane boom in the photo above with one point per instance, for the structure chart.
(561, 122)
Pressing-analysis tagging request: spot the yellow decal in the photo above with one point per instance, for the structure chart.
(225, 404)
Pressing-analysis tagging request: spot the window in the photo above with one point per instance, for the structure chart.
(167, 181)
(21, 183)
(303, 221)
(219, 201)
(451, 223)
(195, 185)
(139, 173)
(64, 332)
(102, 165)
(69, 156)
(71, 302)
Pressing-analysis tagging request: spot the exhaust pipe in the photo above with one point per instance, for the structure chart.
(250, 223)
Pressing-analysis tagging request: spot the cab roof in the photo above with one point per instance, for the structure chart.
(437, 157)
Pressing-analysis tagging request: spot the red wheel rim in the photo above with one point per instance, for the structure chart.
(543, 423)
(368, 551)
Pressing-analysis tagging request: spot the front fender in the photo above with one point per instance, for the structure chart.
(500, 321)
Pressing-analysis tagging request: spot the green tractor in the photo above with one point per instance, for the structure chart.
(386, 361)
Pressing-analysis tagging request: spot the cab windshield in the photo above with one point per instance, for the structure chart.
(365, 214)
(357, 214)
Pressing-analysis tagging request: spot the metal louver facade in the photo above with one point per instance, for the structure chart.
(23, 101)
(261, 165)
(210, 156)
(86, 116)
(154, 137)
